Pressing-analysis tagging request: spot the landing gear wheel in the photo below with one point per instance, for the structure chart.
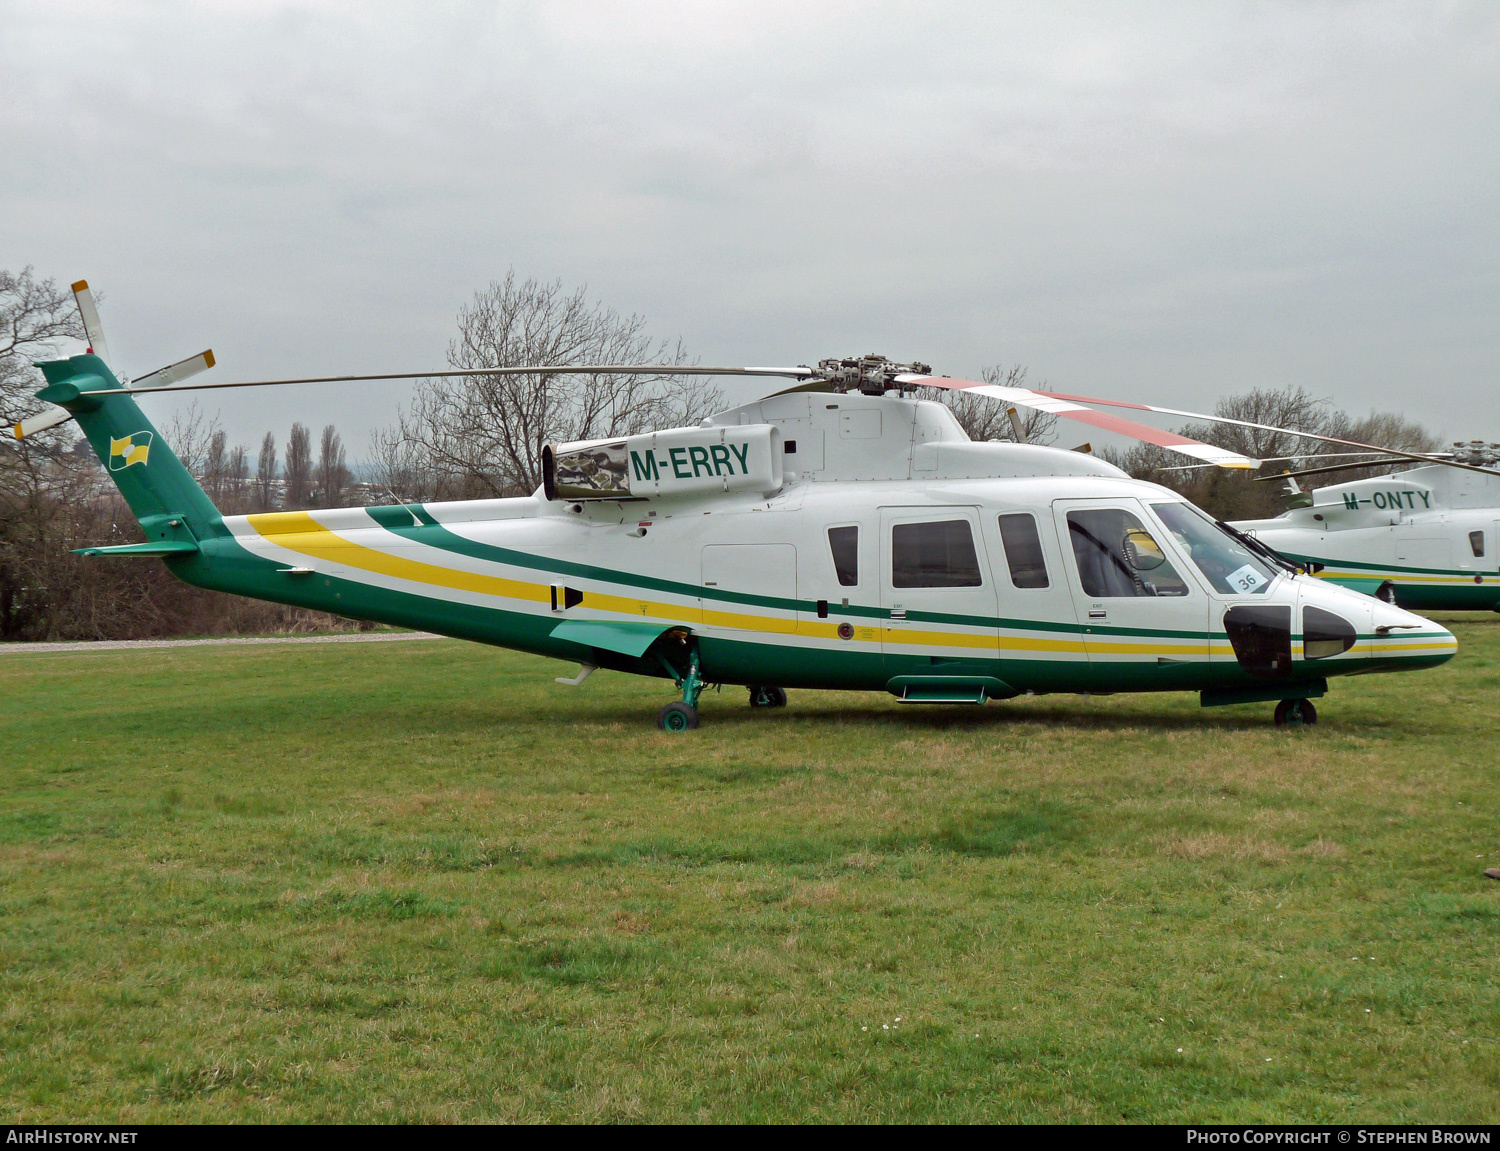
(1386, 593)
(1296, 713)
(767, 697)
(677, 717)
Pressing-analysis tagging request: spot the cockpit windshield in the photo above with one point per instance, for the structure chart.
(1230, 566)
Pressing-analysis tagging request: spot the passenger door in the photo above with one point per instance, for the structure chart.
(1139, 602)
(936, 585)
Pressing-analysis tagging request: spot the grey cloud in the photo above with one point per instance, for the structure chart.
(1163, 201)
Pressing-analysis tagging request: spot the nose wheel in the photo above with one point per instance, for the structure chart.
(677, 717)
(1296, 713)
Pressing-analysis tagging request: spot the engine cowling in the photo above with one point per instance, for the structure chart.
(680, 461)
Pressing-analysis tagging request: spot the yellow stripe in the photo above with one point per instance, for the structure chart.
(1397, 576)
(299, 532)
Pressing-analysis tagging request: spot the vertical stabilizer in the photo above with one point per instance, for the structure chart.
(159, 490)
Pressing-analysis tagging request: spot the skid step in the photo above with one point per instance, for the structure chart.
(949, 688)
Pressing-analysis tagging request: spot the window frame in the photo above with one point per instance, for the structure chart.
(1041, 551)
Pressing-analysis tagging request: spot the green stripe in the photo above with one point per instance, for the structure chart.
(1327, 563)
(434, 534)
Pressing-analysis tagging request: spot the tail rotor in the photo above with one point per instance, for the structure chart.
(88, 312)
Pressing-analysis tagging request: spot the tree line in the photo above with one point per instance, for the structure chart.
(301, 479)
(472, 437)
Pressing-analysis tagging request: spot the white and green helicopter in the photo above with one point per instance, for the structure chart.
(1426, 538)
(843, 534)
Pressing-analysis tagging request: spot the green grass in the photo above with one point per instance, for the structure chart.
(419, 881)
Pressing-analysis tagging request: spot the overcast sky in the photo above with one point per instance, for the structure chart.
(1166, 202)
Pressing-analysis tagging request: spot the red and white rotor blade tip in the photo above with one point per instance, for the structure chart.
(1067, 408)
(41, 421)
(90, 315)
(175, 373)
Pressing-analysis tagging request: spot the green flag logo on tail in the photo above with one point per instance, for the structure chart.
(132, 449)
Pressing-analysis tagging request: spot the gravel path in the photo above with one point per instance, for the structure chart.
(131, 644)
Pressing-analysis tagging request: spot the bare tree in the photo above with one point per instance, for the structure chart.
(331, 475)
(483, 435)
(983, 418)
(191, 435)
(216, 465)
(402, 467)
(38, 475)
(265, 475)
(237, 480)
(298, 467)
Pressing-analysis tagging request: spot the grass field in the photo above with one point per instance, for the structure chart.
(419, 881)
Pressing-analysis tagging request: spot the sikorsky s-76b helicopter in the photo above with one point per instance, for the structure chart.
(1426, 538)
(842, 534)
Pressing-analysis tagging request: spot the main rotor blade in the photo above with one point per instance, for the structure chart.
(1339, 468)
(1305, 456)
(1066, 407)
(49, 418)
(181, 370)
(90, 316)
(530, 370)
(1419, 458)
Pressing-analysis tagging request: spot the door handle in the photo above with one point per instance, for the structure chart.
(1097, 613)
(898, 613)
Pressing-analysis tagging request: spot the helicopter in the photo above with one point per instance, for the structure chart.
(843, 533)
(1426, 538)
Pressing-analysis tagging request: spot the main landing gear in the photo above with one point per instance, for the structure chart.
(1296, 713)
(682, 716)
(767, 697)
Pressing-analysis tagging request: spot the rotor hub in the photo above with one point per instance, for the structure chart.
(873, 374)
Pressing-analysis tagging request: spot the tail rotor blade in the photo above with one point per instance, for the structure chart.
(41, 421)
(90, 316)
(173, 373)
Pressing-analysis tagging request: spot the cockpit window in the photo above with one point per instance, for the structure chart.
(1228, 564)
(1117, 556)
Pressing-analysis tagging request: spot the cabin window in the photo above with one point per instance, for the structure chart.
(844, 544)
(937, 554)
(1228, 564)
(1023, 550)
(1476, 543)
(1117, 557)
(1325, 634)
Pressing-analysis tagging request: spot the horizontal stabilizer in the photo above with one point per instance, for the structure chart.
(158, 549)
